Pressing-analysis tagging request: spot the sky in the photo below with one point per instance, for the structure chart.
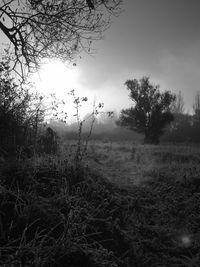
(155, 38)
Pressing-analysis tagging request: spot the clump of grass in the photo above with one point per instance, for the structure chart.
(55, 212)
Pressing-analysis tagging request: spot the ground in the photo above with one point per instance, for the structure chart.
(127, 163)
(125, 205)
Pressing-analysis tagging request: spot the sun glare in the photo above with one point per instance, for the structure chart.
(56, 78)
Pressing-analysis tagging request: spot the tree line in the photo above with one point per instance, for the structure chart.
(154, 116)
(185, 127)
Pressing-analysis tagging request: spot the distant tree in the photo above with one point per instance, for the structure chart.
(196, 118)
(40, 29)
(151, 112)
(180, 129)
(185, 127)
(178, 105)
(180, 120)
(196, 105)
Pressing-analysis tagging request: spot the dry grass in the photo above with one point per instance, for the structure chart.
(53, 213)
(130, 164)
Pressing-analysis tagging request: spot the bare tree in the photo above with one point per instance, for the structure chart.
(196, 105)
(178, 104)
(40, 29)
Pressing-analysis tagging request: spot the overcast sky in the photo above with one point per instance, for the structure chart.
(157, 38)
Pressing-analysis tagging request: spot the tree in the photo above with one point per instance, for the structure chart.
(180, 119)
(20, 113)
(196, 118)
(180, 130)
(151, 112)
(196, 105)
(178, 105)
(40, 29)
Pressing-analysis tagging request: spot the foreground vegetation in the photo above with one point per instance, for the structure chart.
(56, 213)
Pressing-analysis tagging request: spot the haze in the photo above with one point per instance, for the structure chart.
(156, 38)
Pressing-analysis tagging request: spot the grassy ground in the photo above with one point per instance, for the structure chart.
(132, 164)
(128, 205)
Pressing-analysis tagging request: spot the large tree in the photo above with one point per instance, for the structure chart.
(151, 111)
(40, 29)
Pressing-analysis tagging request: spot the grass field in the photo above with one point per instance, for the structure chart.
(127, 164)
(126, 205)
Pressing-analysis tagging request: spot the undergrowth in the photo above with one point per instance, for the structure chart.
(54, 213)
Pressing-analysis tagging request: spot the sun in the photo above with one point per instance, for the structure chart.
(56, 77)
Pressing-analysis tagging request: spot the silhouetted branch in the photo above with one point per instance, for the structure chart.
(53, 29)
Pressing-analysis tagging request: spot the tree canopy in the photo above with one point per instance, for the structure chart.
(151, 111)
(40, 29)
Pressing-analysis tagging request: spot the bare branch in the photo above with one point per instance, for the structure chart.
(54, 28)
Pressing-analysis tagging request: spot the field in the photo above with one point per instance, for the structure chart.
(126, 205)
(127, 164)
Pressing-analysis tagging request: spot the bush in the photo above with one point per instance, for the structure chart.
(20, 113)
(48, 143)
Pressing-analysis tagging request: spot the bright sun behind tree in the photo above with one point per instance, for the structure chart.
(54, 77)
